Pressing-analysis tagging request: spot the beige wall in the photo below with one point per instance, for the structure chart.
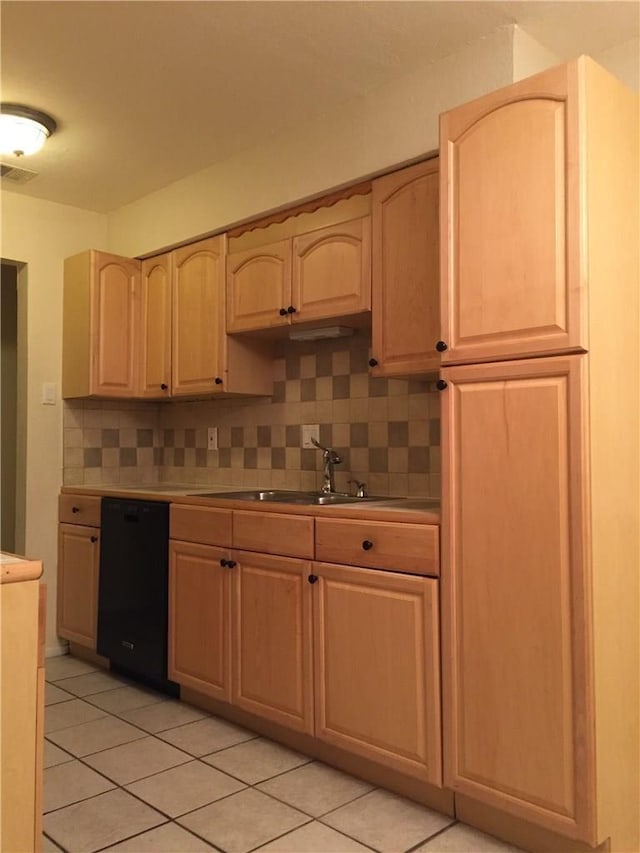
(623, 61)
(41, 234)
(393, 124)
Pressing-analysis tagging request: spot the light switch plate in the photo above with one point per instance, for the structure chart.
(48, 393)
(212, 438)
(310, 431)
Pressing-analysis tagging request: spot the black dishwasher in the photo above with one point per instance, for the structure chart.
(134, 588)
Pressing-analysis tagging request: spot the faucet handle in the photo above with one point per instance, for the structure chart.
(360, 488)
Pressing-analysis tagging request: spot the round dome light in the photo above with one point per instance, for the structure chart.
(23, 130)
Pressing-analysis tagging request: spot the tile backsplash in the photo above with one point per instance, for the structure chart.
(387, 431)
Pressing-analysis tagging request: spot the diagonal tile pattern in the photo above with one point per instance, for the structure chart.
(157, 775)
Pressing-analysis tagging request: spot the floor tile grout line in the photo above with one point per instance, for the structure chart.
(249, 784)
(431, 837)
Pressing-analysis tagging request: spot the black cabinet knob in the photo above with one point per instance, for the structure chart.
(291, 310)
(228, 564)
(223, 563)
(283, 312)
(93, 538)
(441, 384)
(441, 346)
(164, 386)
(218, 380)
(312, 578)
(75, 509)
(373, 362)
(367, 545)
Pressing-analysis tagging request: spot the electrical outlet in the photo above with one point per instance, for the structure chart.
(310, 431)
(212, 438)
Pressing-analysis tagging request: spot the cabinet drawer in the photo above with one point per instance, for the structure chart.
(207, 525)
(379, 545)
(79, 509)
(273, 533)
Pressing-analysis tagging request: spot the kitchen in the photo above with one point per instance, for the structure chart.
(39, 495)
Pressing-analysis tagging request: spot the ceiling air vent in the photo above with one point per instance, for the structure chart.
(16, 174)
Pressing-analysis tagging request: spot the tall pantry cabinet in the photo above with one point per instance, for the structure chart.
(539, 380)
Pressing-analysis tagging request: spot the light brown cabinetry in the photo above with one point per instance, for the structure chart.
(387, 545)
(199, 613)
(78, 562)
(155, 327)
(364, 643)
(240, 621)
(405, 272)
(512, 196)
(323, 275)
(272, 652)
(22, 627)
(518, 725)
(100, 325)
(198, 318)
(377, 667)
(540, 508)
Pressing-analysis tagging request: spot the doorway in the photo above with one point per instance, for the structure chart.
(12, 407)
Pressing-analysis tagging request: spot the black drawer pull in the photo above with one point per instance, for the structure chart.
(75, 509)
(373, 362)
(441, 384)
(164, 386)
(283, 312)
(93, 539)
(228, 564)
(312, 578)
(291, 310)
(367, 545)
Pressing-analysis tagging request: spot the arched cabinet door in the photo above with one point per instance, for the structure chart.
(511, 198)
(259, 287)
(198, 317)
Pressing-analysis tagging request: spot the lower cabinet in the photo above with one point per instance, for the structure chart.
(78, 558)
(199, 611)
(240, 630)
(377, 683)
(272, 638)
(349, 655)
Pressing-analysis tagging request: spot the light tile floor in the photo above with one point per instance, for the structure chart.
(129, 769)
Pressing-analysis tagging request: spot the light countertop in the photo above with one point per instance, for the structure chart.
(408, 510)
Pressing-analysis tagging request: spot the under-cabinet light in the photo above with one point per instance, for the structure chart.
(318, 334)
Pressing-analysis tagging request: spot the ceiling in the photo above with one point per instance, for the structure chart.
(146, 93)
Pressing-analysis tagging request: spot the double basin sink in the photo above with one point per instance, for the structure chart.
(292, 497)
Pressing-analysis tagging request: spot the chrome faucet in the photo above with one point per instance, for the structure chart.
(329, 458)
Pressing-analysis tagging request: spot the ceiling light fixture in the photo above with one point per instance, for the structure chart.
(23, 130)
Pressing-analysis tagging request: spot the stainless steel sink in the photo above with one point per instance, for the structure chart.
(291, 497)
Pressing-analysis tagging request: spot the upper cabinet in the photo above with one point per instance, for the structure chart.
(318, 276)
(405, 284)
(100, 326)
(155, 329)
(259, 287)
(198, 317)
(511, 201)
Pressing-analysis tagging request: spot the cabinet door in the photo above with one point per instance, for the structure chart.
(259, 287)
(114, 340)
(510, 239)
(199, 609)
(405, 287)
(377, 682)
(198, 318)
(518, 717)
(155, 327)
(272, 653)
(332, 271)
(78, 558)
